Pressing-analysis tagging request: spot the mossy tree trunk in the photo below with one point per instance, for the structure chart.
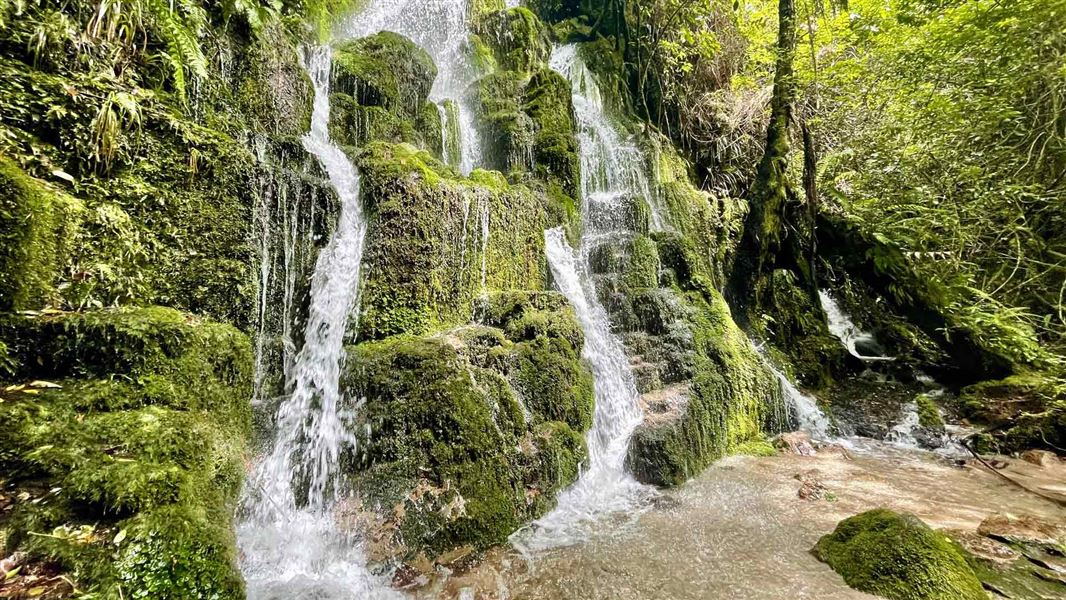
(773, 282)
(772, 233)
(770, 194)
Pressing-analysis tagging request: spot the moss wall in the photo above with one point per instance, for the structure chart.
(426, 251)
(127, 441)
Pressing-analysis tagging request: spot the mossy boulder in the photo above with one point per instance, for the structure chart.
(728, 400)
(380, 91)
(38, 225)
(131, 440)
(438, 240)
(898, 556)
(472, 432)
(1027, 410)
(526, 107)
(518, 39)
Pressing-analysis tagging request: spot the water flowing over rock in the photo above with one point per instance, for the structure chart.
(604, 486)
(612, 172)
(860, 344)
(441, 28)
(613, 168)
(289, 539)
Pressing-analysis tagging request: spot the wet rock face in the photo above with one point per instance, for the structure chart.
(1017, 557)
(380, 92)
(897, 556)
(469, 433)
(884, 409)
(436, 240)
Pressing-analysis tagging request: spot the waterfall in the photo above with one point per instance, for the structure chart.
(804, 408)
(441, 28)
(843, 328)
(604, 486)
(612, 171)
(292, 547)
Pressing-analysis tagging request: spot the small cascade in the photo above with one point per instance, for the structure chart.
(288, 537)
(843, 328)
(804, 408)
(604, 486)
(452, 142)
(614, 170)
(483, 209)
(442, 29)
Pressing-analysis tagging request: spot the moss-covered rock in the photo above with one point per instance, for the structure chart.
(380, 91)
(131, 442)
(38, 225)
(438, 240)
(1027, 410)
(473, 431)
(730, 400)
(526, 107)
(898, 556)
(518, 39)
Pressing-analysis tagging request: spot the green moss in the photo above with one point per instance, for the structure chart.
(518, 39)
(381, 90)
(37, 225)
(929, 413)
(898, 557)
(525, 105)
(143, 431)
(760, 447)
(487, 427)
(548, 375)
(271, 87)
(386, 70)
(178, 552)
(1027, 410)
(451, 135)
(643, 268)
(731, 400)
(427, 256)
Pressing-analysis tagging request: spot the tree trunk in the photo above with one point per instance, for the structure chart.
(766, 227)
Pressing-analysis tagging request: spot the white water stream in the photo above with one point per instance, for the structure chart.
(804, 408)
(612, 171)
(843, 328)
(442, 29)
(290, 545)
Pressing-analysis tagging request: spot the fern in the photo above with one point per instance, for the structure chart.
(180, 25)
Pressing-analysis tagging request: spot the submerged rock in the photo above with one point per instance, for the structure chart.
(897, 556)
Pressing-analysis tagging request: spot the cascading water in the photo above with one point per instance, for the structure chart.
(613, 168)
(843, 328)
(290, 544)
(441, 28)
(612, 172)
(604, 486)
(804, 408)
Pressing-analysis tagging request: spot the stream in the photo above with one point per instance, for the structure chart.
(740, 530)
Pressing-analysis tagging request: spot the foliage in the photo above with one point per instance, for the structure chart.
(956, 150)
